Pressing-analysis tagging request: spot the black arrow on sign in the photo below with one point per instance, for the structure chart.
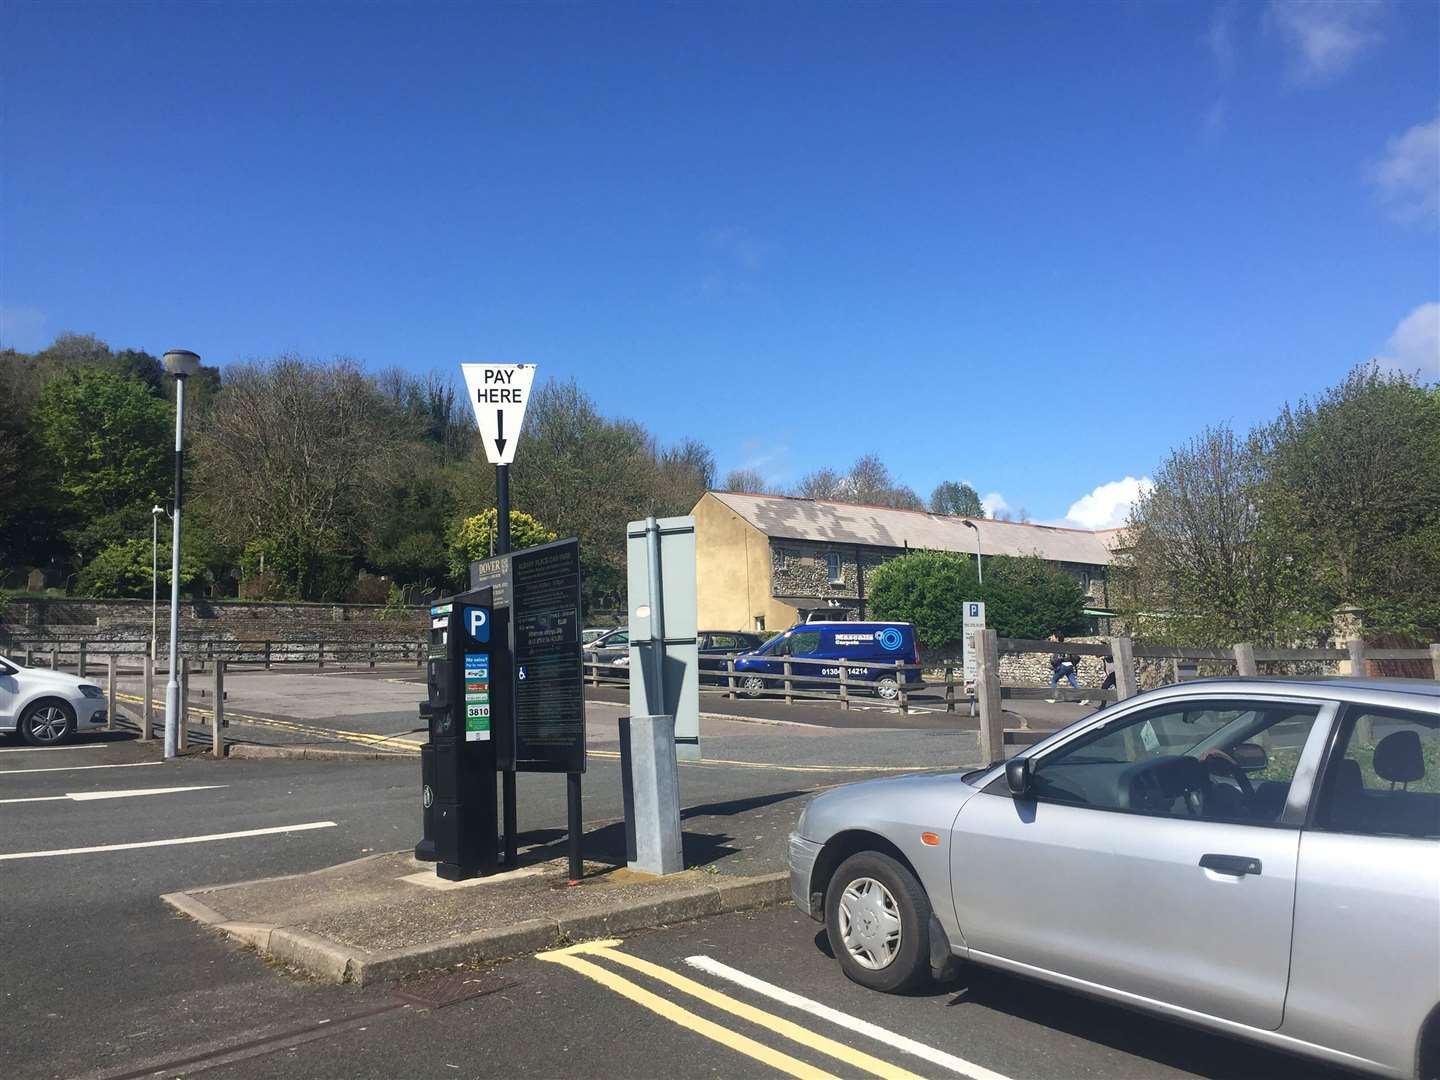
(500, 431)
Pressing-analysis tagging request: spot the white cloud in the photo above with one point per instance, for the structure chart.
(1108, 505)
(1221, 38)
(21, 328)
(1325, 35)
(994, 503)
(1415, 344)
(1408, 176)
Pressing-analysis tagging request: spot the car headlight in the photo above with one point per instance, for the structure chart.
(91, 691)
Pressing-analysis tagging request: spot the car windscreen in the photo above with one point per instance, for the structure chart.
(770, 645)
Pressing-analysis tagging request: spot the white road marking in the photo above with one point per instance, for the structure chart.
(78, 768)
(845, 1020)
(170, 843)
(33, 749)
(126, 793)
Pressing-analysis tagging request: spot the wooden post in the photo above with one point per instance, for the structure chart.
(1435, 659)
(845, 685)
(789, 689)
(217, 715)
(147, 716)
(987, 691)
(320, 655)
(1122, 649)
(730, 678)
(54, 659)
(267, 656)
(182, 736)
(29, 656)
(81, 669)
(949, 687)
(421, 652)
(372, 654)
(1356, 647)
(900, 681)
(110, 692)
(1245, 659)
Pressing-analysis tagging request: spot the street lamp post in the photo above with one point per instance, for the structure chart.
(979, 567)
(180, 363)
(155, 512)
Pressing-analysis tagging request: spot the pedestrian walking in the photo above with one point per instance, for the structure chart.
(1062, 665)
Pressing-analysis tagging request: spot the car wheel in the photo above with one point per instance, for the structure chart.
(887, 689)
(752, 686)
(47, 723)
(877, 917)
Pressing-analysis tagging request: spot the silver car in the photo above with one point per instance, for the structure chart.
(1260, 857)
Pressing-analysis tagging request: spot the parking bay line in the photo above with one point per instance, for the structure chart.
(273, 830)
(125, 793)
(684, 1017)
(845, 1020)
(779, 1025)
(80, 768)
(33, 749)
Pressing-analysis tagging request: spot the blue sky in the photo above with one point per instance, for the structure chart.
(1031, 246)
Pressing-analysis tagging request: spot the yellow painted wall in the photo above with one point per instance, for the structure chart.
(732, 572)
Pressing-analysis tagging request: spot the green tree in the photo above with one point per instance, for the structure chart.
(1024, 597)
(958, 500)
(124, 569)
(107, 445)
(474, 538)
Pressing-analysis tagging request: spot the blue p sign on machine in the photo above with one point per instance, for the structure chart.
(477, 624)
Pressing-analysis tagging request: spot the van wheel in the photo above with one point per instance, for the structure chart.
(752, 686)
(887, 688)
(877, 917)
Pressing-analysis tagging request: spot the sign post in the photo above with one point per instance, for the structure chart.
(972, 625)
(499, 394)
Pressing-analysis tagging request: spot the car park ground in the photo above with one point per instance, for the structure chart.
(102, 979)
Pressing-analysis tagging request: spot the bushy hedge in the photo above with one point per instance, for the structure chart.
(1024, 597)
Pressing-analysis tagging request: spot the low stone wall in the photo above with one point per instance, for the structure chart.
(1016, 669)
(65, 620)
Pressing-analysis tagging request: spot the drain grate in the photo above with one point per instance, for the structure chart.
(448, 988)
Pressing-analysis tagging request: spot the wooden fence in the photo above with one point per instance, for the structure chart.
(77, 654)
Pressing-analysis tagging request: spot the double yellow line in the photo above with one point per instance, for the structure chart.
(575, 958)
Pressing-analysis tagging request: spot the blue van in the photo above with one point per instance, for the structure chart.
(877, 643)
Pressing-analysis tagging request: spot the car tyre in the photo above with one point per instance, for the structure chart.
(877, 917)
(887, 689)
(47, 723)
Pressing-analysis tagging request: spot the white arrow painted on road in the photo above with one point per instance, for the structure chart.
(128, 793)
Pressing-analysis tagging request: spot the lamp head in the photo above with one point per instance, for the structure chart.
(971, 525)
(181, 363)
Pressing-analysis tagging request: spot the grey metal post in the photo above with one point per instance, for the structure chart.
(657, 611)
(655, 781)
(182, 706)
(217, 716)
(1245, 659)
(110, 693)
(987, 693)
(1356, 648)
(181, 364)
(147, 716)
(1123, 651)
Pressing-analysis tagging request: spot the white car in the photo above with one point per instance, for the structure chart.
(47, 707)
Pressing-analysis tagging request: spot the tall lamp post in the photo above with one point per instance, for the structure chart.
(180, 363)
(979, 569)
(155, 512)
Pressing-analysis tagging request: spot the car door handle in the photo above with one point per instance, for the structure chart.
(1238, 865)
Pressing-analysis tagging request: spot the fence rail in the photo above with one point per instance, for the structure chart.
(80, 653)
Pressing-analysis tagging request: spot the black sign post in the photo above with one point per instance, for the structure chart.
(502, 547)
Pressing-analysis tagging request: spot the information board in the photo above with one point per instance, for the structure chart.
(973, 625)
(493, 573)
(545, 631)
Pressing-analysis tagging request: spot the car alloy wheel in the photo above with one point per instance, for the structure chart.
(870, 923)
(887, 689)
(753, 686)
(46, 725)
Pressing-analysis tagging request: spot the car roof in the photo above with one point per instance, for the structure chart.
(1412, 692)
(845, 623)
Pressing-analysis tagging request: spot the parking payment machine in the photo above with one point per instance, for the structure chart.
(468, 684)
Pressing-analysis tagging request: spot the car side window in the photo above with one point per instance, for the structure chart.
(805, 641)
(1383, 778)
(1213, 761)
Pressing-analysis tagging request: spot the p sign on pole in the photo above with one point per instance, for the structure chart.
(499, 393)
(972, 625)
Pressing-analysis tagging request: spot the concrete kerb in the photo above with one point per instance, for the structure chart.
(338, 963)
(255, 752)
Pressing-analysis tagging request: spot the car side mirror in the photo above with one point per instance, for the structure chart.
(1250, 756)
(1018, 776)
